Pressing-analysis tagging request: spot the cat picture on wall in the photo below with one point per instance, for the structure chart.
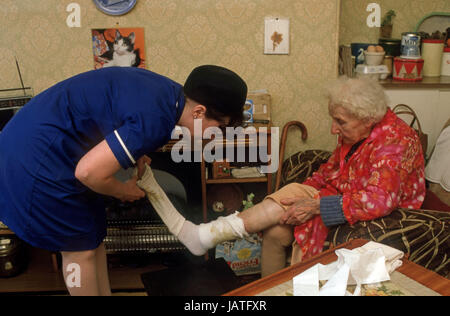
(122, 47)
(123, 53)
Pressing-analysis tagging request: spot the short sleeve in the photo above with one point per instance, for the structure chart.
(139, 135)
(144, 110)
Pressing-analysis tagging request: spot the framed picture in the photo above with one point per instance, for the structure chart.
(276, 36)
(122, 47)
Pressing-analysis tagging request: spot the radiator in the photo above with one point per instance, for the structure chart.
(136, 228)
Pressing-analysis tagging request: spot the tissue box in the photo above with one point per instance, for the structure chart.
(261, 106)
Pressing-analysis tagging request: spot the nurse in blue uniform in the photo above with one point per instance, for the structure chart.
(60, 152)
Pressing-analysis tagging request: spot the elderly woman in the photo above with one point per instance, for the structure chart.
(377, 167)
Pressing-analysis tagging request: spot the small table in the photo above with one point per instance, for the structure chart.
(409, 269)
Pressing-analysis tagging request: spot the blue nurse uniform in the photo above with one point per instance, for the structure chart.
(134, 109)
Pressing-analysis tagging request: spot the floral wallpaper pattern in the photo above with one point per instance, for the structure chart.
(353, 27)
(182, 34)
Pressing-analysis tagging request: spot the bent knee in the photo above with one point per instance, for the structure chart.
(292, 190)
(279, 234)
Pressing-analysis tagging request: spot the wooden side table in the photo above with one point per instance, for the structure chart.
(413, 271)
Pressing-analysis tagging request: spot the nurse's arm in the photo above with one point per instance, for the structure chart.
(96, 170)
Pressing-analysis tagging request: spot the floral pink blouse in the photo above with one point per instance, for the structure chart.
(386, 172)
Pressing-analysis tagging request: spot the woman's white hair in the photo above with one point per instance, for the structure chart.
(363, 98)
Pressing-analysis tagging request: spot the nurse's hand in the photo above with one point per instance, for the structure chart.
(131, 191)
(96, 170)
(141, 164)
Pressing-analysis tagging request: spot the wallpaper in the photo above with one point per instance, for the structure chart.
(182, 34)
(353, 26)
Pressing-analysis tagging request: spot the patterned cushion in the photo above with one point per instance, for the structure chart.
(423, 235)
(300, 166)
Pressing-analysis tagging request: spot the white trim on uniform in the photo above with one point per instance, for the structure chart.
(124, 147)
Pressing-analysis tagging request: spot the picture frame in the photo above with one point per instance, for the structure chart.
(122, 47)
(276, 36)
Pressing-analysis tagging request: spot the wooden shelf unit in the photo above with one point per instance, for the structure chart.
(5, 232)
(206, 181)
(237, 180)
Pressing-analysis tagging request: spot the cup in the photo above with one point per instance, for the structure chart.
(358, 51)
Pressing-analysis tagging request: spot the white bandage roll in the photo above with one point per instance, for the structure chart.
(158, 198)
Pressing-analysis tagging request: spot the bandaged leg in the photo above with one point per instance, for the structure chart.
(158, 198)
(197, 238)
(186, 232)
(269, 212)
(200, 238)
(255, 219)
(240, 225)
(230, 227)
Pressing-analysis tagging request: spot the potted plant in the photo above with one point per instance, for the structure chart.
(386, 24)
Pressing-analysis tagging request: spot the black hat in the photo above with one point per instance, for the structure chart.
(217, 87)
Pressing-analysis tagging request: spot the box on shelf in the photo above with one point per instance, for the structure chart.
(373, 72)
(407, 69)
(261, 106)
(221, 170)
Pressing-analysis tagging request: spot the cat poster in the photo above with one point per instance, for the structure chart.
(122, 47)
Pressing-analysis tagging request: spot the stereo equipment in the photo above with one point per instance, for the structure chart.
(11, 100)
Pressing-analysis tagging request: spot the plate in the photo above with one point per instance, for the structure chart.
(115, 7)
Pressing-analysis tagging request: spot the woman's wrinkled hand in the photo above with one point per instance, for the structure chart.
(300, 210)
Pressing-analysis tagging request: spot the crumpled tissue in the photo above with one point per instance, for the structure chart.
(371, 263)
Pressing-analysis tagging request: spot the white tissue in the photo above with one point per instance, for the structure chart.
(393, 256)
(371, 263)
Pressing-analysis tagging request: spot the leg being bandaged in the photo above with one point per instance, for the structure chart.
(165, 209)
(197, 238)
(200, 238)
(222, 229)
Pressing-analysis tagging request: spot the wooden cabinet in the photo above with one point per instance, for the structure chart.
(207, 177)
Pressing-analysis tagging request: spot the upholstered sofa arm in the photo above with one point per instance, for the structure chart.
(300, 166)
